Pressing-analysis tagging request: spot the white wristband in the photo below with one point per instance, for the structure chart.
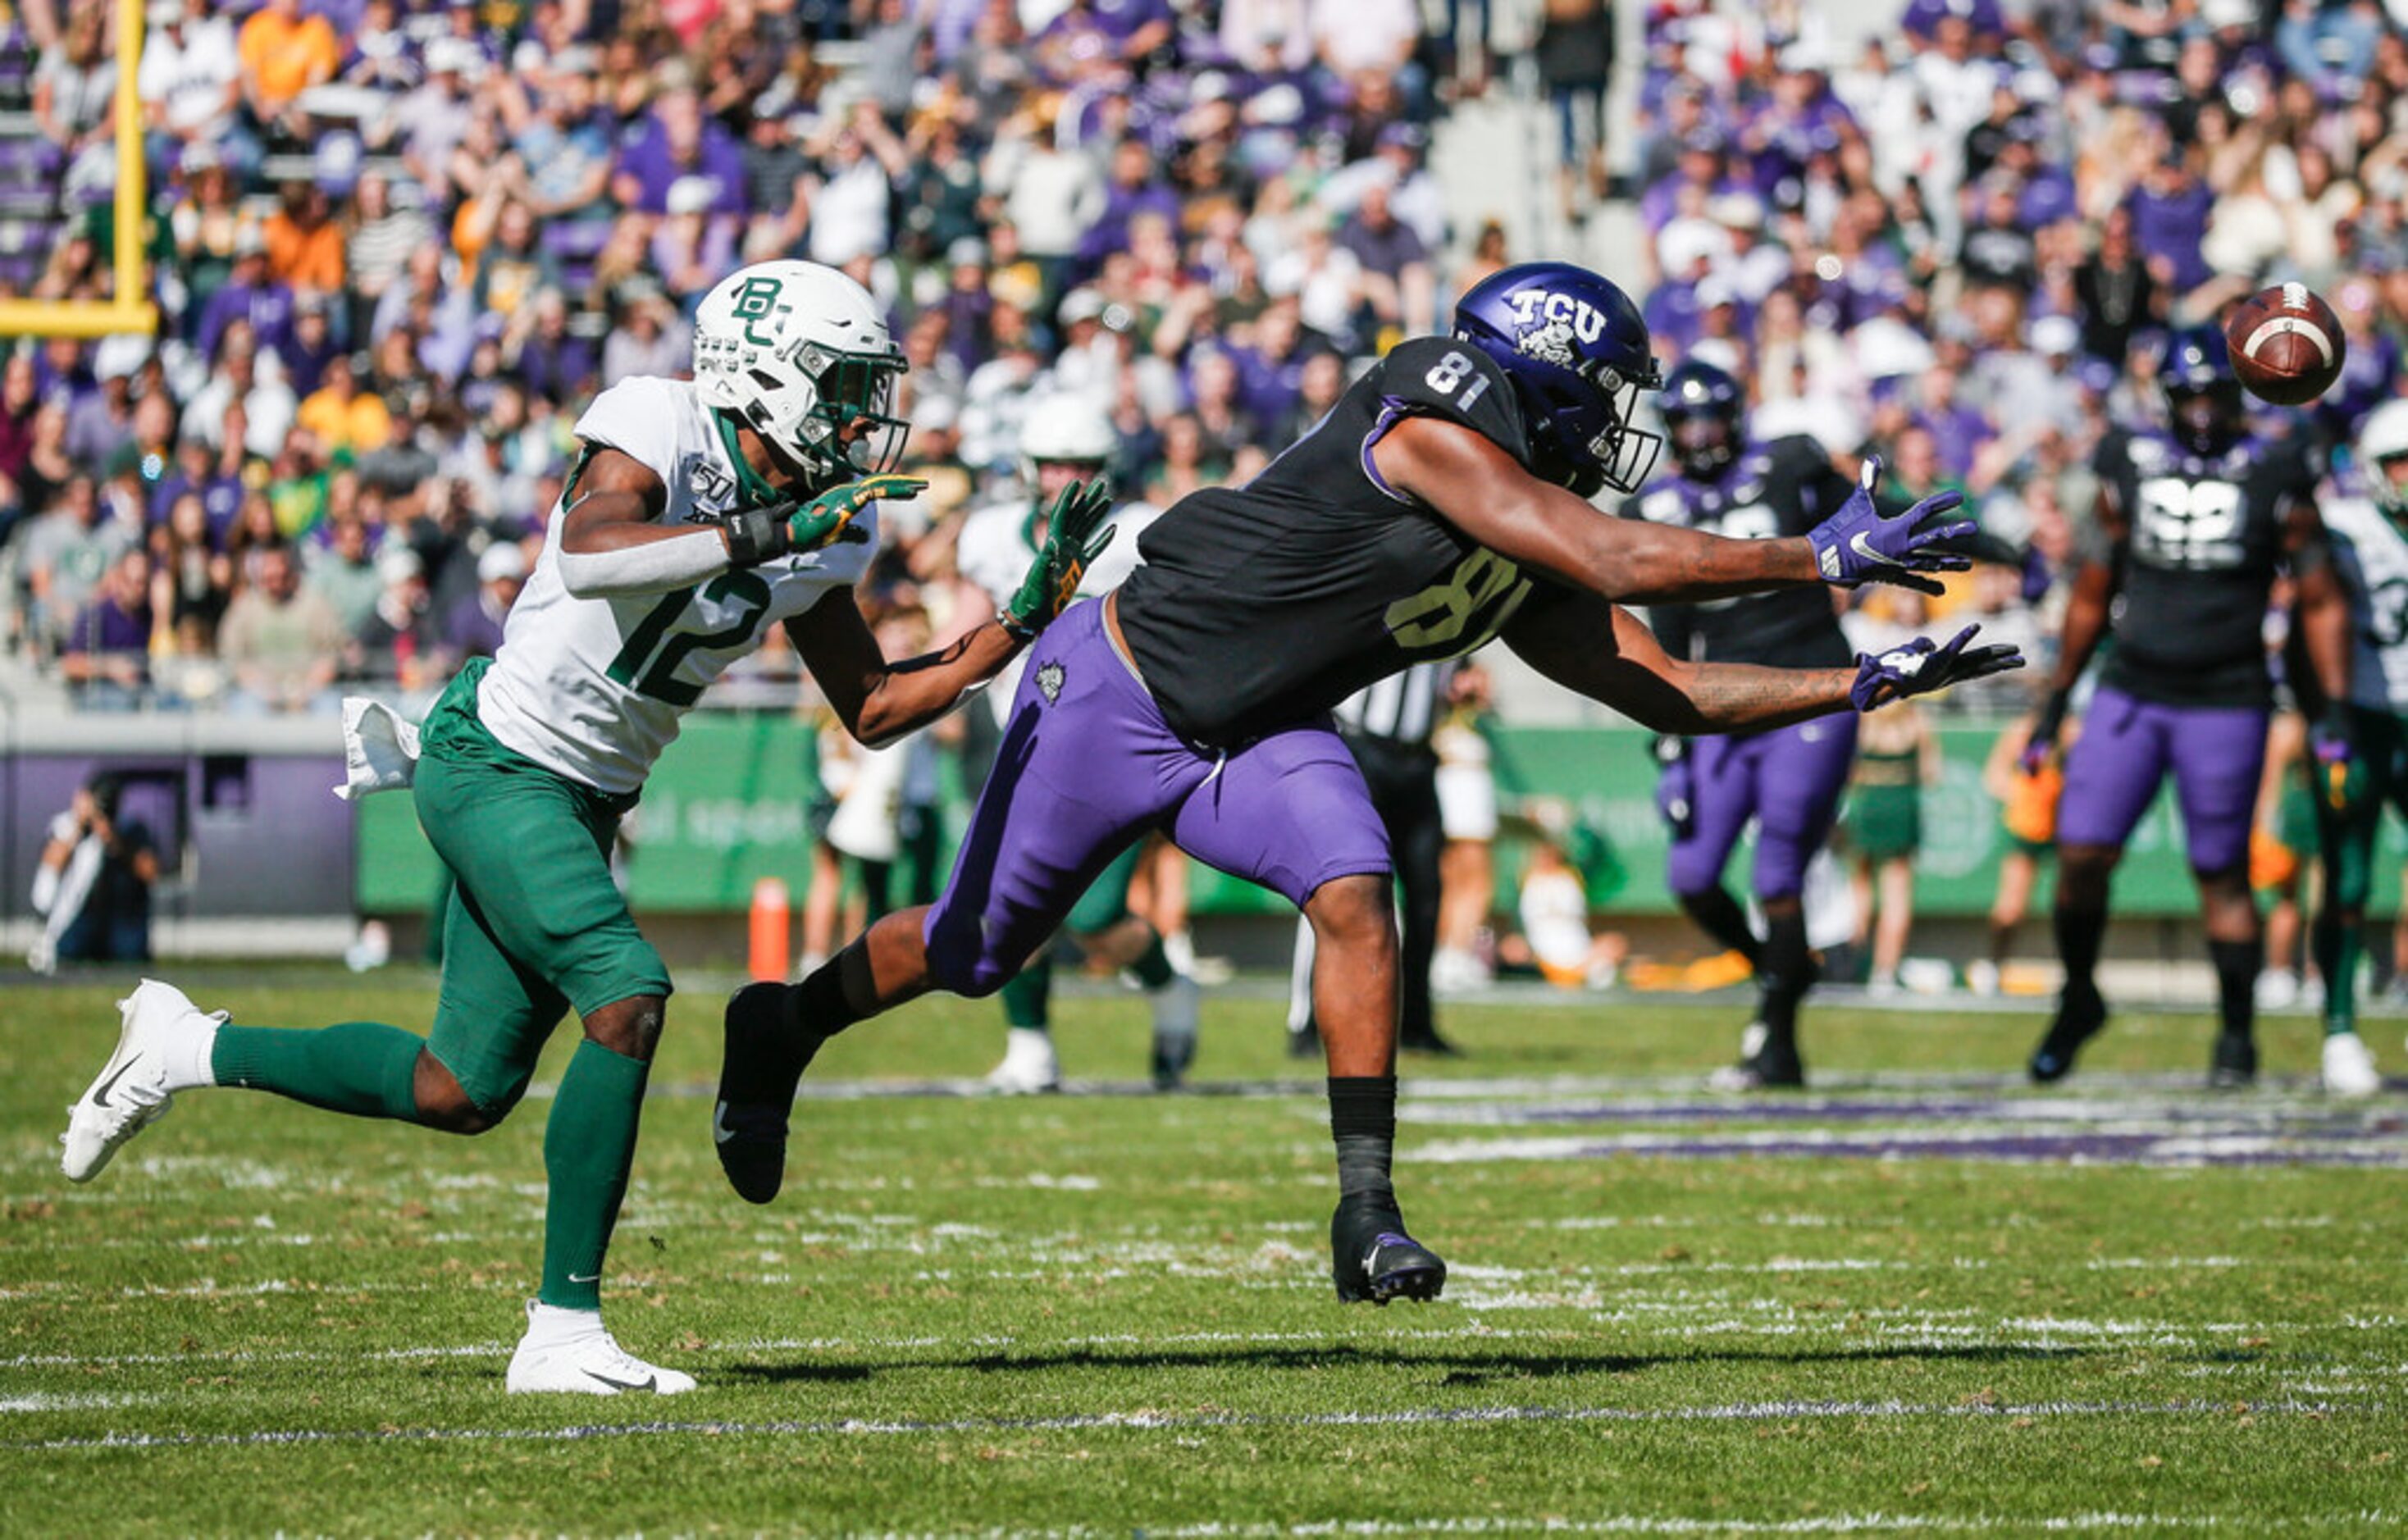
(656, 567)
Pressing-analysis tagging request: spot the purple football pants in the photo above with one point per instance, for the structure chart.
(2126, 746)
(1087, 766)
(1789, 780)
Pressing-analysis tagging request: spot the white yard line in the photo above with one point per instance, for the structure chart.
(1738, 1411)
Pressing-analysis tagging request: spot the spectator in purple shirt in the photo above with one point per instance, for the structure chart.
(198, 471)
(1132, 188)
(107, 654)
(546, 357)
(473, 628)
(676, 140)
(250, 293)
(1401, 287)
(2168, 218)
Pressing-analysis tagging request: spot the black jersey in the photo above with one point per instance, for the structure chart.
(1268, 604)
(2204, 539)
(1771, 490)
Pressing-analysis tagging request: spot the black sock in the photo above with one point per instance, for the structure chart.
(1786, 971)
(1363, 1121)
(2079, 934)
(1719, 916)
(822, 1005)
(2003, 941)
(2237, 965)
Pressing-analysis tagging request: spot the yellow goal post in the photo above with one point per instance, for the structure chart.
(130, 309)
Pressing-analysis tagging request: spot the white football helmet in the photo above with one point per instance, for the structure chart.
(799, 353)
(1065, 428)
(2384, 436)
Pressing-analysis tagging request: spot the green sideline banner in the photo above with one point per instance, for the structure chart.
(727, 807)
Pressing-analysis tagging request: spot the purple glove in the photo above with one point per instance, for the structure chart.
(2041, 742)
(1860, 544)
(2037, 577)
(1919, 667)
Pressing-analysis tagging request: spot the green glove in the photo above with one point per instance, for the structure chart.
(1072, 543)
(760, 534)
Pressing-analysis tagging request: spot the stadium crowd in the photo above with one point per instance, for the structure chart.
(398, 244)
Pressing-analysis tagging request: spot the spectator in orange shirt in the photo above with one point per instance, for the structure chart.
(341, 415)
(305, 246)
(283, 54)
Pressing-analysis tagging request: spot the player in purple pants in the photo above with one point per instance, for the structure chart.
(1441, 503)
(2195, 520)
(1789, 780)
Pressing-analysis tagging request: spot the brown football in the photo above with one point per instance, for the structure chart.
(2287, 343)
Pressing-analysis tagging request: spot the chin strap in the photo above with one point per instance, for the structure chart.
(752, 489)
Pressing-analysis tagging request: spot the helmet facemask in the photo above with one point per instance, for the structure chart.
(850, 429)
(2207, 419)
(1704, 443)
(2388, 481)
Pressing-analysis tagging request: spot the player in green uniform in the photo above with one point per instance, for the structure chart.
(2359, 753)
(699, 514)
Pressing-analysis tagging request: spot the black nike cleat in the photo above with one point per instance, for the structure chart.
(1766, 1063)
(2236, 1062)
(764, 1058)
(1372, 1258)
(2079, 1019)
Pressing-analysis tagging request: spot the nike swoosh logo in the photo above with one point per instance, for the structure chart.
(1866, 552)
(643, 1384)
(100, 1093)
(590, 1278)
(1372, 1261)
(720, 1131)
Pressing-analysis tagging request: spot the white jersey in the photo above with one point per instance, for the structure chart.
(994, 552)
(2372, 556)
(594, 689)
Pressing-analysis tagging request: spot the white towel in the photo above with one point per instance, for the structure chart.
(380, 749)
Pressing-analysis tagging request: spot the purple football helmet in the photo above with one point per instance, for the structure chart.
(1576, 350)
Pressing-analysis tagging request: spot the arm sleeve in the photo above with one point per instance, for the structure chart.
(656, 566)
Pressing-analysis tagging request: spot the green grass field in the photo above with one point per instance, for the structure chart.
(1921, 1300)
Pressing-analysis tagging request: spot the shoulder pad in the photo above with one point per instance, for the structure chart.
(1443, 378)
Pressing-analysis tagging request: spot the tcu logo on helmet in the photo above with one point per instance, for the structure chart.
(1550, 321)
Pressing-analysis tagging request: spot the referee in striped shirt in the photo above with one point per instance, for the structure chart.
(1388, 727)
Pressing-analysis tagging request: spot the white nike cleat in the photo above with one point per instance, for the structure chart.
(570, 1352)
(2349, 1067)
(1029, 1064)
(163, 1045)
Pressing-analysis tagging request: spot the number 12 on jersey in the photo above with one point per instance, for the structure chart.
(645, 643)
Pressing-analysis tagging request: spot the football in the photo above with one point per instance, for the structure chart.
(2287, 343)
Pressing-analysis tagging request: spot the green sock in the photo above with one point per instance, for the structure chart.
(2338, 942)
(1027, 994)
(588, 1145)
(364, 1069)
(1152, 965)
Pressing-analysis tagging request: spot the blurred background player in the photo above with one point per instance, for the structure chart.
(1387, 726)
(2027, 802)
(1066, 440)
(2360, 755)
(1896, 757)
(1787, 780)
(1467, 810)
(2195, 519)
